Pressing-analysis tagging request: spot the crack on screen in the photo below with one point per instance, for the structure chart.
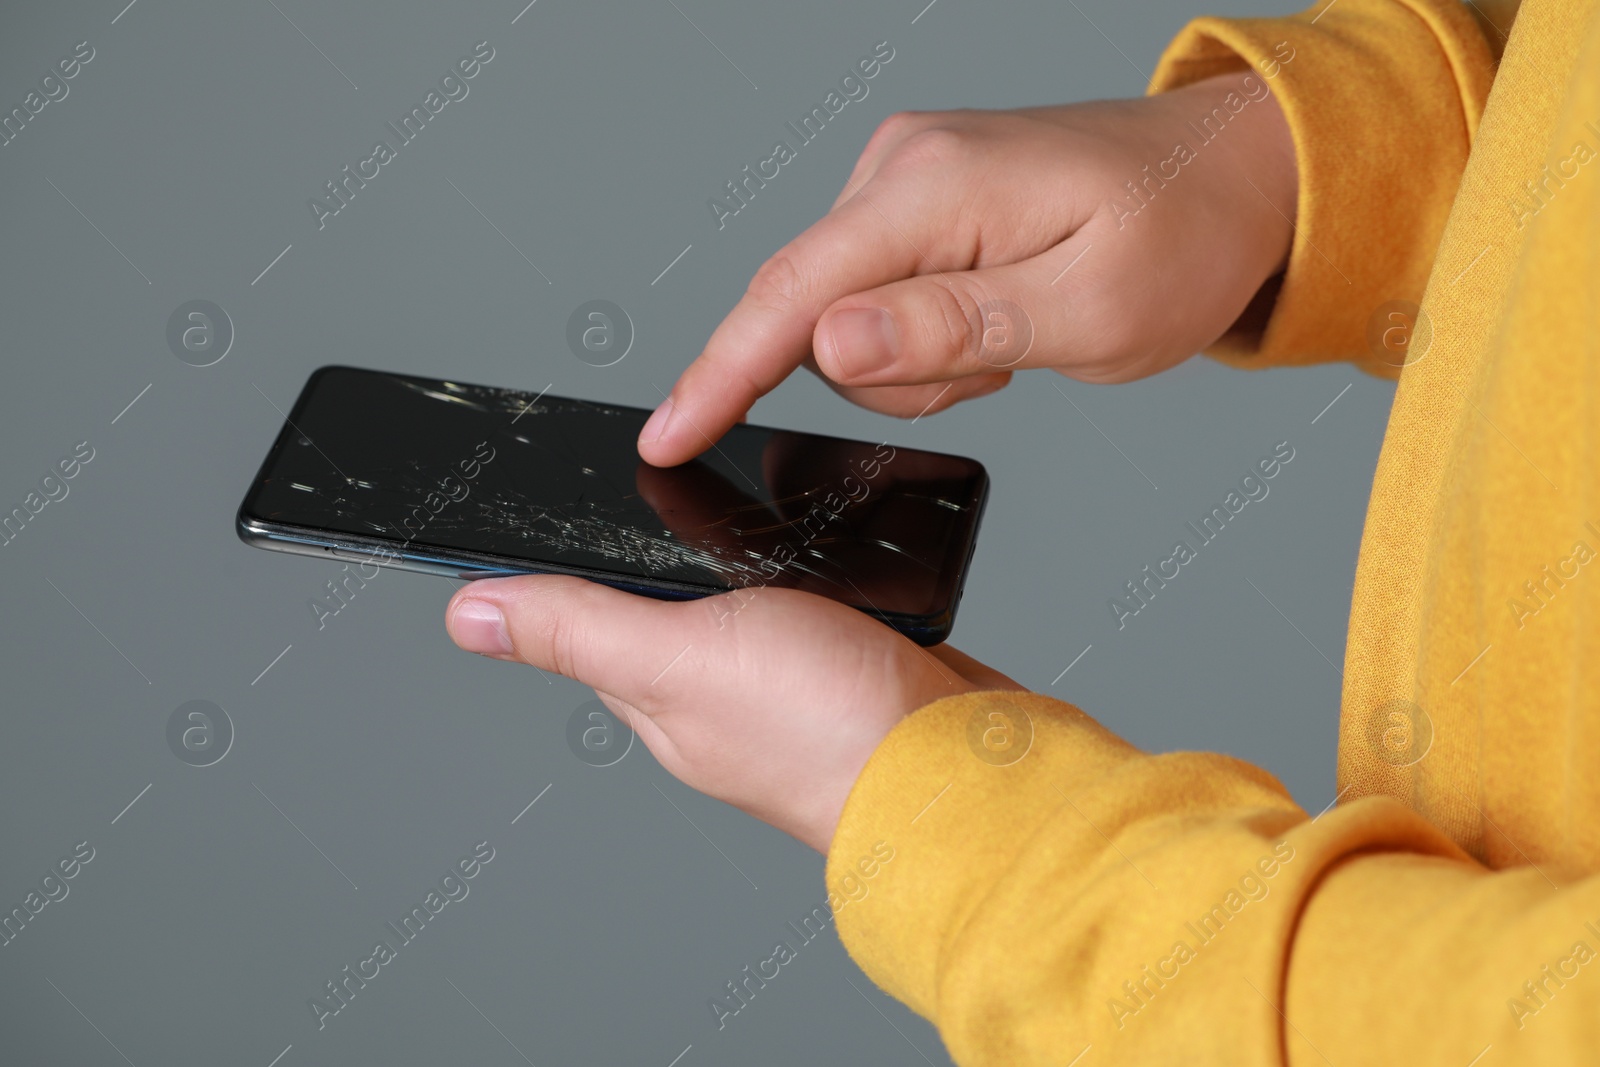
(513, 402)
(716, 534)
(604, 521)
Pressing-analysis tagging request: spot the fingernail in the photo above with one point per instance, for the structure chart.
(656, 423)
(478, 626)
(864, 340)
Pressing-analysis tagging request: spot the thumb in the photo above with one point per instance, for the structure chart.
(612, 641)
(938, 327)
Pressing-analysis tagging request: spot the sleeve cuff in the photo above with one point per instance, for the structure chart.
(954, 793)
(1383, 98)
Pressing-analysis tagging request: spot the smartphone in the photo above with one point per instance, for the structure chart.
(474, 481)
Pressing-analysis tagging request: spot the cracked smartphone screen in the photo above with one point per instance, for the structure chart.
(498, 480)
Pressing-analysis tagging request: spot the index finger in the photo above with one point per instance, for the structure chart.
(768, 333)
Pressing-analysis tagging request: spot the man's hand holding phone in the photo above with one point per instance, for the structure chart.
(773, 710)
(945, 214)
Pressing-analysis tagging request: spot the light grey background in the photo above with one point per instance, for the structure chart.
(608, 919)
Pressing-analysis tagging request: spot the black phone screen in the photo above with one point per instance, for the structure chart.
(514, 480)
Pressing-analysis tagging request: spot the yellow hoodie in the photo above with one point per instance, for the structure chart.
(1070, 896)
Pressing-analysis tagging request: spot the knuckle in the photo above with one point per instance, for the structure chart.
(894, 127)
(900, 122)
(776, 285)
(563, 639)
(955, 313)
(935, 146)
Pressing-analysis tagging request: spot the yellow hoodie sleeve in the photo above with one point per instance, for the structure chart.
(1053, 895)
(1383, 98)
(1056, 896)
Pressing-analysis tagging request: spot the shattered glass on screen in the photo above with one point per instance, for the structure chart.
(547, 480)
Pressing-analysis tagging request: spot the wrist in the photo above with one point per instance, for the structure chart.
(1239, 116)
